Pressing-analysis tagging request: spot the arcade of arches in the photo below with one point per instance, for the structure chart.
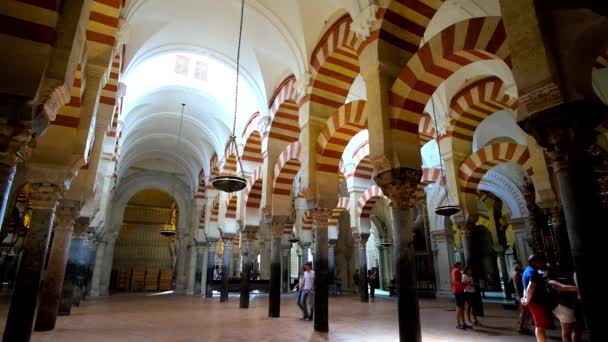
(356, 120)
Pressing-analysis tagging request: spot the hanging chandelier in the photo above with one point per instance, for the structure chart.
(448, 209)
(233, 183)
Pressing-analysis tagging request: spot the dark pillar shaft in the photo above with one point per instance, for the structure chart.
(226, 269)
(561, 241)
(363, 292)
(381, 267)
(331, 264)
(472, 259)
(285, 270)
(198, 271)
(20, 318)
(210, 269)
(321, 293)
(274, 299)
(7, 174)
(55, 274)
(246, 274)
(407, 302)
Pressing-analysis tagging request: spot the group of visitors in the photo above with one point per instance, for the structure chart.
(373, 281)
(540, 296)
(463, 287)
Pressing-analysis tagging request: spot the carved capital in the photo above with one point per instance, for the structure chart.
(66, 214)
(302, 84)
(45, 196)
(399, 185)
(362, 240)
(365, 22)
(277, 225)
(320, 217)
(543, 96)
(469, 225)
(16, 141)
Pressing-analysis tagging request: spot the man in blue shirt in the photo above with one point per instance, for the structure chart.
(535, 295)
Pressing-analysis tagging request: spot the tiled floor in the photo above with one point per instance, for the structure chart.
(183, 318)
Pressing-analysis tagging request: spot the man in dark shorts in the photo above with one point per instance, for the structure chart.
(536, 295)
(458, 290)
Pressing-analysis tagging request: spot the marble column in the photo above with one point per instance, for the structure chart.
(274, 299)
(382, 267)
(567, 133)
(305, 251)
(331, 264)
(201, 268)
(472, 259)
(321, 294)
(191, 268)
(227, 260)
(7, 175)
(20, 318)
(210, 268)
(521, 230)
(98, 268)
(108, 258)
(443, 252)
(247, 268)
(285, 263)
(400, 186)
(561, 241)
(50, 295)
(362, 244)
(504, 270)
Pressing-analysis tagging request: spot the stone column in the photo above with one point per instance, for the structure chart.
(321, 294)
(472, 259)
(381, 267)
(263, 266)
(521, 230)
(400, 186)
(331, 263)
(210, 267)
(50, 296)
(443, 251)
(560, 234)
(97, 268)
(247, 268)
(108, 259)
(227, 260)
(274, 299)
(362, 244)
(305, 251)
(200, 278)
(285, 263)
(14, 147)
(191, 268)
(20, 318)
(504, 270)
(567, 133)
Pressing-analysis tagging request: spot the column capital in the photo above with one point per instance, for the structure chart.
(362, 240)
(320, 217)
(66, 214)
(400, 185)
(332, 243)
(277, 224)
(556, 216)
(16, 140)
(45, 196)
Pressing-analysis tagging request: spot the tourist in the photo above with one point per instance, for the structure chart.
(356, 280)
(518, 293)
(469, 297)
(338, 282)
(300, 285)
(371, 280)
(458, 290)
(307, 292)
(536, 295)
(568, 310)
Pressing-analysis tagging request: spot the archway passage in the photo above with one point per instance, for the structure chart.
(144, 259)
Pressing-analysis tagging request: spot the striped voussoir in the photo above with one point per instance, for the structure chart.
(363, 166)
(252, 151)
(601, 62)
(102, 26)
(69, 114)
(426, 129)
(404, 22)
(215, 169)
(215, 210)
(286, 168)
(368, 199)
(229, 164)
(287, 228)
(458, 45)
(335, 65)
(470, 106)
(339, 129)
(202, 187)
(284, 112)
(253, 192)
(430, 175)
(231, 206)
(338, 210)
(307, 221)
(201, 219)
(480, 162)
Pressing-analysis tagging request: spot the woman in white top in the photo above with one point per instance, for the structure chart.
(469, 296)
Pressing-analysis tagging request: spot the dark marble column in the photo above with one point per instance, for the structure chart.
(567, 132)
(561, 241)
(247, 268)
(210, 268)
(274, 298)
(7, 174)
(20, 318)
(331, 264)
(321, 293)
(200, 268)
(285, 263)
(227, 260)
(50, 295)
(305, 250)
(381, 267)
(472, 259)
(362, 248)
(400, 186)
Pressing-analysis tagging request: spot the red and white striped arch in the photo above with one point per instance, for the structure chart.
(363, 166)
(231, 206)
(284, 112)
(229, 164)
(202, 188)
(286, 168)
(339, 129)
(367, 201)
(470, 106)
(480, 162)
(254, 188)
(252, 151)
(201, 219)
(338, 210)
(307, 221)
(426, 129)
(334, 65)
(215, 210)
(459, 45)
(430, 175)
(214, 166)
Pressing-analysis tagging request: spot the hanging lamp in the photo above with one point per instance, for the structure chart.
(233, 183)
(448, 209)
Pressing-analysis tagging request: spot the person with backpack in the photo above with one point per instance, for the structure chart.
(568, 310)
(536, 295)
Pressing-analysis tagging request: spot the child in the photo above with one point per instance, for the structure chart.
(469, 296)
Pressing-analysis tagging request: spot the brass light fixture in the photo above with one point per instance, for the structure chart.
(233, 183)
